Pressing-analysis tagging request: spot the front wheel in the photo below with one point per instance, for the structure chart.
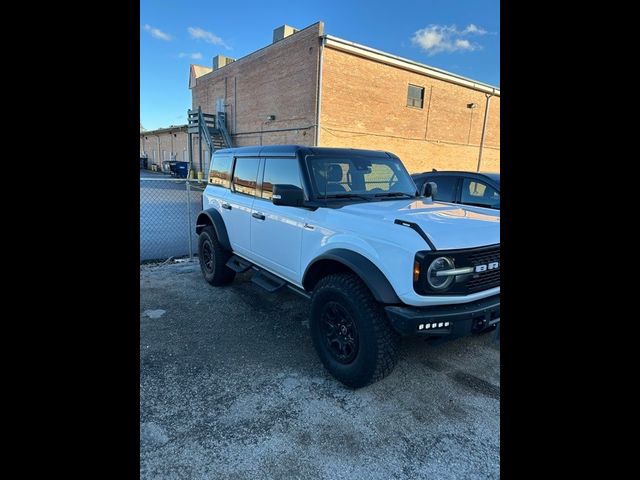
(213, 258)
(350, 331)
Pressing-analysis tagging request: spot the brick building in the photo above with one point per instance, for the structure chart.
(315, 89)
(164, 144)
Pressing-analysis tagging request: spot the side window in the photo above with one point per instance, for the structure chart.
(220, 171)
(477, 193)
(446, 188)
(279, 171)
(245, 175)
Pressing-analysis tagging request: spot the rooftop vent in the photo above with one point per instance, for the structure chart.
(220, 61)
(283, 32)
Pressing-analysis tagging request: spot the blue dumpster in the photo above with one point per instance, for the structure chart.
(181, 169)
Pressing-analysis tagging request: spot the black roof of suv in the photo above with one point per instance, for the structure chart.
(294, 150)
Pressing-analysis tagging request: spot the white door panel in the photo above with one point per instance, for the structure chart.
(276, 239)
(236, 218)
(237, 211)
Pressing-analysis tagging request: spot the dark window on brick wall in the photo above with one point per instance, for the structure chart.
(415, 96)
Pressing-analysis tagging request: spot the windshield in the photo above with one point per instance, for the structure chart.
(365, 177)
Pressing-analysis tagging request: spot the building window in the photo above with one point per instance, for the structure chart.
(415, 96)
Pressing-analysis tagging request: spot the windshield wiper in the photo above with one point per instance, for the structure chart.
(394, 194)
(346, 195)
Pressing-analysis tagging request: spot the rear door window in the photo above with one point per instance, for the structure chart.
(245, 176)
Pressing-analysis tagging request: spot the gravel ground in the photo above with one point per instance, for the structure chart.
(231, 388)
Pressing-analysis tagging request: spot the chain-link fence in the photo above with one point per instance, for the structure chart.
(168, 212)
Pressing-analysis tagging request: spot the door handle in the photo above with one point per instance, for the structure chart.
(226, 206)
(257, 215)
(308, 226)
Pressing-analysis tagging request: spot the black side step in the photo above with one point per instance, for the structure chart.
(266, 280)
(237, 264)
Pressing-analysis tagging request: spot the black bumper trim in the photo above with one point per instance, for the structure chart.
(464, 318)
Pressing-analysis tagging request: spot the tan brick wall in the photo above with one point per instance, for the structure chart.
(280, 80)
(364, 105)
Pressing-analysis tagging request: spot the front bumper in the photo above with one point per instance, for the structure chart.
(463, 318)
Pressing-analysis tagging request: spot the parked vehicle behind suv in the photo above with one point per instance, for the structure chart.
(349, 230)
(469, 188)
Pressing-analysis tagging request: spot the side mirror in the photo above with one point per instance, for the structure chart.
(287, 195)
(429, 189)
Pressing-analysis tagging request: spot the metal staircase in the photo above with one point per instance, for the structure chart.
(211, 128)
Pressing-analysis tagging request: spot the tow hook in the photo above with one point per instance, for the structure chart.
(478, 324)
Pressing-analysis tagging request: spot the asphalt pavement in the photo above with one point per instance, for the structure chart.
(231, 388)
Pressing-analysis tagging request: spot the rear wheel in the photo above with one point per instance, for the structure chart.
(350, 331)
(213, 258)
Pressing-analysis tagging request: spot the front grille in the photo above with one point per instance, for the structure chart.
(466, 283)
(488, 279)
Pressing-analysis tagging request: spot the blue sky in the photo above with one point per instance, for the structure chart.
(462, 36)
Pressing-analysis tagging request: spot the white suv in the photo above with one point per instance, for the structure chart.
(347, 229)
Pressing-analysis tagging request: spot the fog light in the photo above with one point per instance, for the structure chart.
(421, 326)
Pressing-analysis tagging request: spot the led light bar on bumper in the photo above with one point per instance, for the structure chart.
(456, 272)
(449, 321)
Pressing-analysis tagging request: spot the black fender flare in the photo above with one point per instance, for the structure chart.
(213, 217)
(368, 272)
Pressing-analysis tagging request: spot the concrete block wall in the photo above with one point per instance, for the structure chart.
(160, 145)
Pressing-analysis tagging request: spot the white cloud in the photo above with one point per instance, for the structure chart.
(200, 34)
(192, 56)
(471, 28)
(157, 33)
(447, 38)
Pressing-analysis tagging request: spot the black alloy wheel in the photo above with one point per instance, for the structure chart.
(341, 334)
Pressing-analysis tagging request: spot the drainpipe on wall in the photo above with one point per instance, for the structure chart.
(484, 127)
(319, 91)
(160, 158)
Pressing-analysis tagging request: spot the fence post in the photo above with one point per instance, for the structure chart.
(189, 220)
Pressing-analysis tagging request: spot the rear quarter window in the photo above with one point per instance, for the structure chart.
(220, 171)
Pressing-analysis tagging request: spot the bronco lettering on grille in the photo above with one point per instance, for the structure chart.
(489, 266)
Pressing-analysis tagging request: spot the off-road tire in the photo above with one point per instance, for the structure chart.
(377, 345)
(213, 258)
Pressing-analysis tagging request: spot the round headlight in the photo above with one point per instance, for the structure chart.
(440, 263)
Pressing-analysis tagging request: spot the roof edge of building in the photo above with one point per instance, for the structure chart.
(248, 55)
(173, 128)
(407, 64)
